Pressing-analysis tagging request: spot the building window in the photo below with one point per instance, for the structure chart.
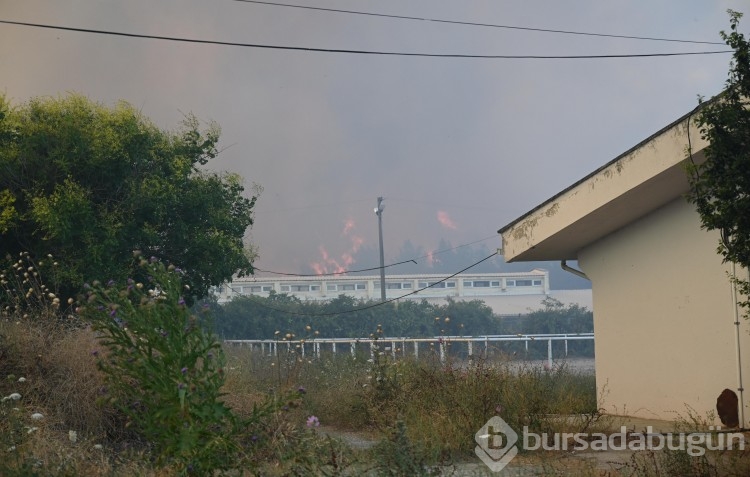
(468, 283)
(300, 288)
(361, 286)
(406, 285)
(286, 288)
(523, 283)
(537, 282)
(314, 287)
(331, 287)
(481, 283)
(347, 286)
(495, 284)
(393, 286)
(450, 284)
(431, 284)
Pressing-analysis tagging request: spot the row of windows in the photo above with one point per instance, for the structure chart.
(332, 287)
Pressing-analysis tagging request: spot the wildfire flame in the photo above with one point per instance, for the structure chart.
(329, 264)
(445, 220)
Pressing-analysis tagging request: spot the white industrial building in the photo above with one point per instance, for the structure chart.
(506, 293)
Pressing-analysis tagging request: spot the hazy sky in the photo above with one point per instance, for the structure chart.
(458, 147)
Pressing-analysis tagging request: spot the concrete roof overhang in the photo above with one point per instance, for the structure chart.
(630, 186)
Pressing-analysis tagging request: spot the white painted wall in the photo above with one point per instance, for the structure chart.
(663, 316)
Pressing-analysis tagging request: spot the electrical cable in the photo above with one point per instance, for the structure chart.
(358, 52)
(344, 272)
(490, 25)
(368, 307)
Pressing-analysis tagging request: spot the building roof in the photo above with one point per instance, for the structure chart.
(637, 182)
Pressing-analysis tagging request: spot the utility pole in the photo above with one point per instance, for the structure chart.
(379, 212)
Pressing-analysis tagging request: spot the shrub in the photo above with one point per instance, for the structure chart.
(164, 369)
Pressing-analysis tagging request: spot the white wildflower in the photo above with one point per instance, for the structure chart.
(22, 380)
(98, 447)
(15, 396)
(37, 416)
(73, 436)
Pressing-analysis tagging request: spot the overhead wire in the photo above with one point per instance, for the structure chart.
(374, 305)
(348, 51)
(489, 25)
(344, 272)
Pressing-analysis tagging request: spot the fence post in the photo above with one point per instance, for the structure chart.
(333, 347)
(549, 353)
(416, 350)
(486, 348)
(393, 349)
(353, 349)
(442, 350)
(470, 347)
(566, 346)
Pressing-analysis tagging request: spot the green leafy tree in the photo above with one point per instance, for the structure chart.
(89, 184)
(720, 187)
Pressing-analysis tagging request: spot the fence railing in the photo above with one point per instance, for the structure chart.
(382, 344)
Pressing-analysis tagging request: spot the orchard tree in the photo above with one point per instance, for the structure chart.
(90, 184)
(720, 187)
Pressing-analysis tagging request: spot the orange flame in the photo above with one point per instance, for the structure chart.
(445, 220)
(328, 264)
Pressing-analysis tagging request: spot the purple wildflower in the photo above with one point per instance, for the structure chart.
(313, 421)
(181, 386)
(181, 301)
(95, 353)
(301, 390)
(184, 370)
(111, 283)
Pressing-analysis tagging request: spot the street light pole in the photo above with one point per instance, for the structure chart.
(379, 212)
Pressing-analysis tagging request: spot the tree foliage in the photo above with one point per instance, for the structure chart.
(720, 187)
(89, 184)
(254, 317)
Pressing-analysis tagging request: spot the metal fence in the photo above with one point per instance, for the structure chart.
(390, 344)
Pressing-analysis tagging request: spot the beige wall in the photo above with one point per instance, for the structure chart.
(663, 316)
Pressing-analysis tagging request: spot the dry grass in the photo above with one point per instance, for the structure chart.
(441, 407)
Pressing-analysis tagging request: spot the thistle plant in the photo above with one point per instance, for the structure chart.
(23, 287)
(164, 368)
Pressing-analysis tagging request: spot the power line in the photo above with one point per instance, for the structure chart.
(357, 52)
(354, 310)
(490, 25)
(332, 273)
(344, 272)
